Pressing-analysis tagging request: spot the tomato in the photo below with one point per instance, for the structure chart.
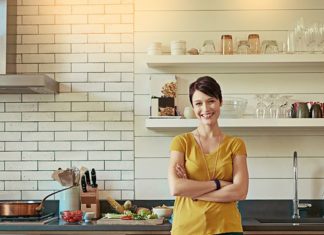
(127, 217)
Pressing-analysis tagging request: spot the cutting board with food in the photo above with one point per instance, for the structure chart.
(127, 214)
(105, 221)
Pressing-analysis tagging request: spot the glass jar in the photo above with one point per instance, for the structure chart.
(254, 43)
(227, 45)
(243, 47)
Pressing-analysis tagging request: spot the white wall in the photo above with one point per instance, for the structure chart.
(269, 150)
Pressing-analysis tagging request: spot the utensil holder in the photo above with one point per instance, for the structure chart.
(90, 201)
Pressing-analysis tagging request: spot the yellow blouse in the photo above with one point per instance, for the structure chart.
(203, 217)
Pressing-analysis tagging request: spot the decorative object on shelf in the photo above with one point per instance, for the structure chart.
(227, 44)
(188, 113)
(233, 107)
(193, 51)
(178, 47)
(254, 43)
(163, 96)
(208, 48)
(243, 47)
(269, 47)
(155, 48)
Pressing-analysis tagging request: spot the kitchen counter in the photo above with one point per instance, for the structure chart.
(59, 227)
(250, 210)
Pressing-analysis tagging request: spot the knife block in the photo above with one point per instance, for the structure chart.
(90, 201)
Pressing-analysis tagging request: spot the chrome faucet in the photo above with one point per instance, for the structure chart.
(296, 204)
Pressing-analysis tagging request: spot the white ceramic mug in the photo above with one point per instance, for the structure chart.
(188, 113)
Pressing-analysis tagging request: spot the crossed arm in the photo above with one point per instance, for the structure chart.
(180, 185)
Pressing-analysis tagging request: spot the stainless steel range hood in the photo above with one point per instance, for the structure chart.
(28, 84)
(11, 83)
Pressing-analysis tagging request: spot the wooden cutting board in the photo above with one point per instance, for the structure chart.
(130, 222)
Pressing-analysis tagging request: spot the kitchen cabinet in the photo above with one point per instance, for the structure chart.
(249, 62)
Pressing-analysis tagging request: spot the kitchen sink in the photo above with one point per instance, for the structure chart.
(317, 220)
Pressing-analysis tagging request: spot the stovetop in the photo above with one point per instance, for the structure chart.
(42, 219)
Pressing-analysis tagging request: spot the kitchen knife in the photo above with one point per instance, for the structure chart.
(84, 184)
(94, 178)
(87, 177)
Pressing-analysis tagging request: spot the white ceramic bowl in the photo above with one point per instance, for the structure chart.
(165, 212)
(233, 107)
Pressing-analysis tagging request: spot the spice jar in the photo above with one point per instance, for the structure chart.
(254, 43)
(227, 45)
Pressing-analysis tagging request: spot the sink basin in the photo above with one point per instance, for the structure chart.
(292, 221)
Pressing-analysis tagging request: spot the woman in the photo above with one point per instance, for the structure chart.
(208, 170)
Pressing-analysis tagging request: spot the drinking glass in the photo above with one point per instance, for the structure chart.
(260, 110)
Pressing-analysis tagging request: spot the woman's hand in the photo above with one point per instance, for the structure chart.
(181, 171)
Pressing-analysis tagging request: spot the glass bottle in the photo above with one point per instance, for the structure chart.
(227, 45)
(254, 43)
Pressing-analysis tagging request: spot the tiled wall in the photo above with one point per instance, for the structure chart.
(97, 119)
(270, 150)
(87, 46)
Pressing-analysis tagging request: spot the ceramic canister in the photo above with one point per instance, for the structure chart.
(70, 199)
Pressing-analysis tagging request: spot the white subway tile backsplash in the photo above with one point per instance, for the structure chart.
(37, 98)
(20, 146)
(21, 166)
(94, 126)
(54, 10)
(39, 156)
(108, 175)
(41, 116)
(119, 145)
(104, 116)
(104, 19)
(53, 165)
(71, 19)
(119, 106)
(105, 96)
(127, 175)
(54, 146)
(49, 185)
(71, 2)
(127, 116)
(88, 9)
(127, 37)
(20, 185)
(10, 195)
(88, 106)
(26, 29)
(10, 98)
(104, 135)
(119, 9)
(10, 175)
(119, 86)
(127, 155)
(27, 68)
(39, 39)
(54, 48)
(38, 2)
(40, 175)
(71, 58)
(20, 107)
(88, 28)
(10, 117)
(115, 185)
(54, 68)
(119, 165)
(72, 97)
(119, 47)
(71, 77)
(70, 155)
(119, 67)
(21, 126)
(54, 126)
(119, 28)
(37, 136)
(70, 116)
(67, 135)
(104, 155)
(104, 57)
(87, 87)
(27, 10)
(87, 145)
(104, 77)
(54, 29)
(30, 20)
(98, 165)
(71, 38)
(57, 106)
(10, 156)
(122, 126)
(36, 195)
(104, 38)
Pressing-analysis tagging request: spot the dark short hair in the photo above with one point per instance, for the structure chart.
(207, 85)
